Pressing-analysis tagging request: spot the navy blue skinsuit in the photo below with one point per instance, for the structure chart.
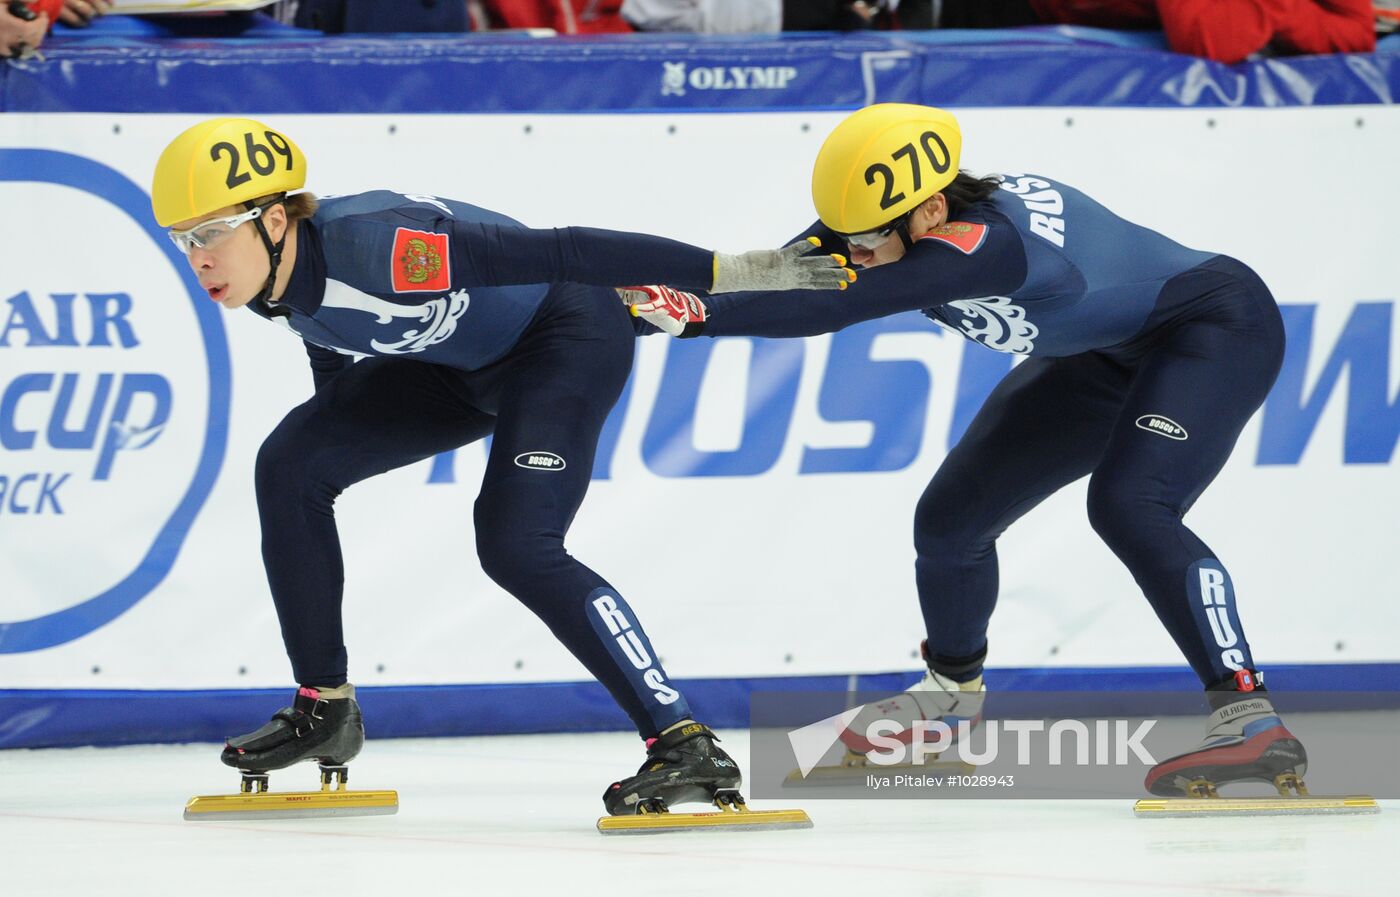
(1145, 361)
(473, 325)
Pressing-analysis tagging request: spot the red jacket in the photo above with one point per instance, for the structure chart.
(1230, 30)
(564, 16)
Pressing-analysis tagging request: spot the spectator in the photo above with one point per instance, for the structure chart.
(374, 16)
(857, 15)
(705, 16)
(1387, 16)
(21, 29)
(564, 16)
(1223, 30)
(759, 16)
(80, 13)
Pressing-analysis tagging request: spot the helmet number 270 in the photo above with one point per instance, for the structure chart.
(890, 198)
(259, 156)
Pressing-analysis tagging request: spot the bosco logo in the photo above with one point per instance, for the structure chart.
(1162, 426)
(114, 389)
(539, 461)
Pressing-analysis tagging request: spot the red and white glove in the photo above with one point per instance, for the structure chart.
(680, 314)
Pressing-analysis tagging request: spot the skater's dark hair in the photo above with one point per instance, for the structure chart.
(968, 189)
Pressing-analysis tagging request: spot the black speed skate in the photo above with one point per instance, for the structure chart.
(683, 766)
(328, 730)
(321, 725)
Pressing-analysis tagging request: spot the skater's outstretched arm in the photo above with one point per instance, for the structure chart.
(935, 271)
(491, 253)
(501, 255)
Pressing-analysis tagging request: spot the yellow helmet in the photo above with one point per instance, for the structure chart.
(881, 162)
(223, 162)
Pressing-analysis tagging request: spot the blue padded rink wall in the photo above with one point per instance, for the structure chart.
(499, 777)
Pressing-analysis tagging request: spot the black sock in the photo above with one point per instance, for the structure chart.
(959, 669)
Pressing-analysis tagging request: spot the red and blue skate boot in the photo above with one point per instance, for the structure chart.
(1245, 742)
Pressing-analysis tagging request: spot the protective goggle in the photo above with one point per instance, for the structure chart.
(208, 234)
(873, 239)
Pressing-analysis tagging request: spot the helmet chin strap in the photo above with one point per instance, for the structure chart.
(903, 231)
(274, 256)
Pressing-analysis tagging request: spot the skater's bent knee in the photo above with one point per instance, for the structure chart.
(288, 465)
(279, 467)
(514, 557)
(1122, 515)
(947, 535)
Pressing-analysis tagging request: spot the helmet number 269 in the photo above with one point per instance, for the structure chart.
(259, 156)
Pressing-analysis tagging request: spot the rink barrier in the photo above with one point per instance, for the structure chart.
(70, 718)
(1080, 67)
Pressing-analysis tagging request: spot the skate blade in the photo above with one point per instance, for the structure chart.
(727, 820)
(855, 773)
(1168, 807)
(292, 805)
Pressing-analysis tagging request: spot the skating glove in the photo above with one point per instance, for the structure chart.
(788, 268)
(680, 314)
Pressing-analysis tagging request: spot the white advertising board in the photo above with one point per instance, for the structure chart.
(130, 415)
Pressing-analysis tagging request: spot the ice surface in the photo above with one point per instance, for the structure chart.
(515, 815)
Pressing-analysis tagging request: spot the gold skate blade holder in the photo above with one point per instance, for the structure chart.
(731, 814)
(1293, 799)
(254, 801)
(854, 767)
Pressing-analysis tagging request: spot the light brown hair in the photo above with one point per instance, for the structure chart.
(300, 206)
